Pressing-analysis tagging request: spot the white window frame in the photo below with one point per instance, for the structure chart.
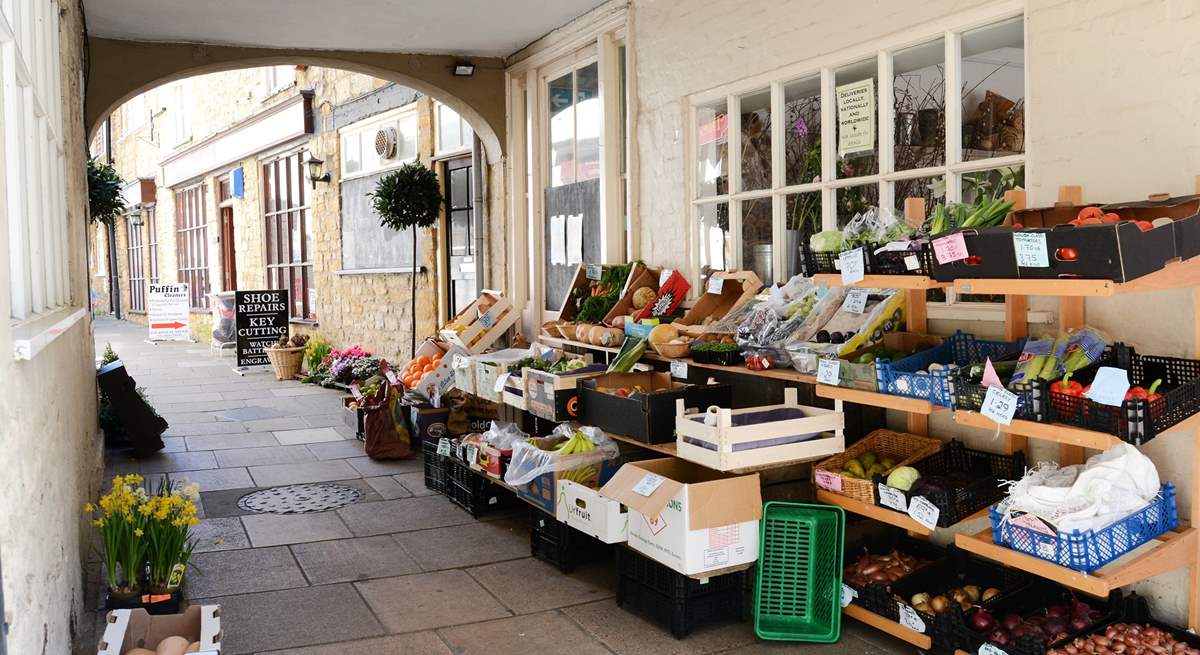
(466, 133)
(277, 78)
(369, 126)
(949, 29)
(33, 211)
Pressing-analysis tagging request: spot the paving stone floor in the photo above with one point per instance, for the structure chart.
(401, 571)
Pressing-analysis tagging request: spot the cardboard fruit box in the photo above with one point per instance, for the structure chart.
(737, 288)
(639, 276)
(567, 311)
(584, 509)
(441, 379)
(542, 491)
(688, 517)
(125, 630)
(1184, 211)
(647, 416)
(482, 323)
(555, 396)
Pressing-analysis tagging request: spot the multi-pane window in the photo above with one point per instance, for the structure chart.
(386, 141)
(33, 158)
(575, 123)
(135, 250)
(288, 233)
(453, 132)
(940, 118)
(152, 245)
(191, 247)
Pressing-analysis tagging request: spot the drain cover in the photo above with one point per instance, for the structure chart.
(300, 498)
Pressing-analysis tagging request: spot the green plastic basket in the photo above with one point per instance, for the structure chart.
(799, 591)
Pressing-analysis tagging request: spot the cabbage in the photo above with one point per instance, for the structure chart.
(827, 241)
(903, 477)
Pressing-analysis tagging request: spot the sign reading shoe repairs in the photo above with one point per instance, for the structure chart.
(168, 309)
(856, 117)
(262, 317)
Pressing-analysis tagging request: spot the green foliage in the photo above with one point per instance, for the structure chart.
(593, 309)
(104, 192)
(409, 197)
(110, 355)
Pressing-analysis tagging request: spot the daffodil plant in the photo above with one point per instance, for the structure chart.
(122, 529)
(170, 513)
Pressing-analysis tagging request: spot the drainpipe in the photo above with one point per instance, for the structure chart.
(114, 287)
(479, 213)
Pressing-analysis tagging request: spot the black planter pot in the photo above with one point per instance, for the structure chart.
(121, 602)
(162, 603)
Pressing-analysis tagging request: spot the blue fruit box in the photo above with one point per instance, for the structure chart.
(542, 491)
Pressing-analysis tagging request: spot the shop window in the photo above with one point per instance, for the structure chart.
(919, 102)
(713, 237)
(575, 123)
(802, 132)
(857, 96)
(453, 132)
(288, 233)
(380, 143)
(802, 219)
(854, 200)
(191, 249)
(712, 142)
(755, 149)
(993, 98)
(135, 249)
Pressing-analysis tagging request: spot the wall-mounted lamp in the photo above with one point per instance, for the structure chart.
(314, 171)
(464, 69)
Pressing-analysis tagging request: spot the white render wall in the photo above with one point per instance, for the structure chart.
(1114, 105)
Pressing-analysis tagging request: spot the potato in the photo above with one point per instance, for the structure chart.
(194, 648)
(174, 645)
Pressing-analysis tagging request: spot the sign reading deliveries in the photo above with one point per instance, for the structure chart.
(856, 117)
(262, 317)
(168, 309)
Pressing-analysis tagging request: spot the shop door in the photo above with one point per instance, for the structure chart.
(228, 256)
(462, 287)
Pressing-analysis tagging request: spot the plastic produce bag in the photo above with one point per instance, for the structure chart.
(503, 435)
(533, 458)
(875, 227)
(1090, 496)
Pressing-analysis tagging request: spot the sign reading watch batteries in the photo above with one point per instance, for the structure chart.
(262, 317)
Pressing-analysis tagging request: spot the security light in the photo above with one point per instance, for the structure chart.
(464, 69)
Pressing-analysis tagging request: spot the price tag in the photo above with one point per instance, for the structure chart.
(893, 498)
(950, 248)
(443, 447)
(828, 480)
(848, 594)
(391, 377)
(487, 320)
(648, 484)
(909, 618)
(1109, 386)
(500, 380)
(678, 369)
(715, 284)
(594, 271)
(924, 512)
(829, 371)
(472, 454)
(999, 405)
(1046, 550)
(664, 276)
(991, 649)
(912, 263)
(852, 265)
(856, 301)
(1030, 248)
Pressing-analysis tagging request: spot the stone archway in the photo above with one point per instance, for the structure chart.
(119, 70)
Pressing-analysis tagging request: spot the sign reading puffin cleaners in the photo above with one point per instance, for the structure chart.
(262, 317)
(168, 311)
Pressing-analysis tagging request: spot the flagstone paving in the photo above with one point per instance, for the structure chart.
(402, 570)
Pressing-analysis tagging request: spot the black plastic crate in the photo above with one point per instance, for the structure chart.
(1033, 601)
(985, 469)
(1032, 395)
(719, 357)
(557, 543)
(1135, 421)
(473, 491)
(877, 597)
(435, 466)
(901, 262)
(1134, 609)
(948, 629)
(681, 602)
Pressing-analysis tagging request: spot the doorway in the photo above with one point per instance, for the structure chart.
(462, 287)
(228, 245)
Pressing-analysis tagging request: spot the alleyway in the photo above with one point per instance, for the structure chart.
(398, 571)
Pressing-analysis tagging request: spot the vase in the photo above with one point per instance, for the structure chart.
(906, 129)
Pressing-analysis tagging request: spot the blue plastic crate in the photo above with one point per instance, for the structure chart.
(901, 377)
(1091, 550)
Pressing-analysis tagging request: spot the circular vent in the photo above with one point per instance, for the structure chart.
(385, 142)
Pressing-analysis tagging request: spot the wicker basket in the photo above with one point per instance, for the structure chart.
(567, 330)
(903, 447)
(673, 350)
(285, 361)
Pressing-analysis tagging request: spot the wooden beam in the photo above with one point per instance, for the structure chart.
(915, 313)
(1016, 317)
(922, 641)
(1070, 194)
(918, 424)
(1070, 316)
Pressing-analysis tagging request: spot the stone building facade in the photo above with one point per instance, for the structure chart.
(172, 138)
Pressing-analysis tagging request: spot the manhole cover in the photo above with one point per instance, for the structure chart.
(300, 498)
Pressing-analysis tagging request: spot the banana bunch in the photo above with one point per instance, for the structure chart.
(578, 443)
(587, 476)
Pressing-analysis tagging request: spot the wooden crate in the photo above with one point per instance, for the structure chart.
(567, 311)
(516, 388)
(639, 276)
(735, 427)
(475, 331)
(737, 289)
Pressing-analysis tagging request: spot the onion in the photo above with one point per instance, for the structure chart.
(1011, 621)
(998, 637)
(982, 621)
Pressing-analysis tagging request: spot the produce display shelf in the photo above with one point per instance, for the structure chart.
(560, 343)
(1059, 432)
(1172, 551)
(667, 449)
(879, 513)
(881, 281)
(785, 374)
(922, 641)
(900, 403)
(1176, 275)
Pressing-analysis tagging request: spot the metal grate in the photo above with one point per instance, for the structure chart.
(300, 498)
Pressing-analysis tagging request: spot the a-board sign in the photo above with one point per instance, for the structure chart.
(262, 317)
(168, 308)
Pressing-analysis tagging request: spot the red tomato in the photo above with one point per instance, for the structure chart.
(1066, 254)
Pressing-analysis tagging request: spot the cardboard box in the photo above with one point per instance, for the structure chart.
(490, 366)
(555, 396)
(688, 517)
(567, 311)
(639, 276)
(1183, 210)
(646, 417)
(464, 372)
(586, 510)
(441, 379)
(125, 630)
(864, 376)
(482, 323)
(428, 422)
(543, 490)
(738, 288)
(757, 436)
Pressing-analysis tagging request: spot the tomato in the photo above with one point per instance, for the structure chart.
(1090, 212)
(974, 260)
(1066, 254)
(1110, 217)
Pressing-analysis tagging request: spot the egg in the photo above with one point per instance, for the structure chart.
(174, 645)
(194, 648)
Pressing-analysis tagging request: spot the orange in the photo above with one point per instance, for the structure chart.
(427, 368)
(422, 360)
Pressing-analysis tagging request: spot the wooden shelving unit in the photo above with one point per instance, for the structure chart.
(922, 641)
(877, 512)
(858, 396)
(882, 281)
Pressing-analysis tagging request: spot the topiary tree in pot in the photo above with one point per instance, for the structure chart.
(409, 198)
(105, 202)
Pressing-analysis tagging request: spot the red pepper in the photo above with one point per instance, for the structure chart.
(1149, 395)
(1067, 387)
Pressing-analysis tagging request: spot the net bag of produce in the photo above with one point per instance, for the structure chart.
(575, 452)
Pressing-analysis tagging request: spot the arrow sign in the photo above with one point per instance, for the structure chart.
(169, 310)
(164, 326)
